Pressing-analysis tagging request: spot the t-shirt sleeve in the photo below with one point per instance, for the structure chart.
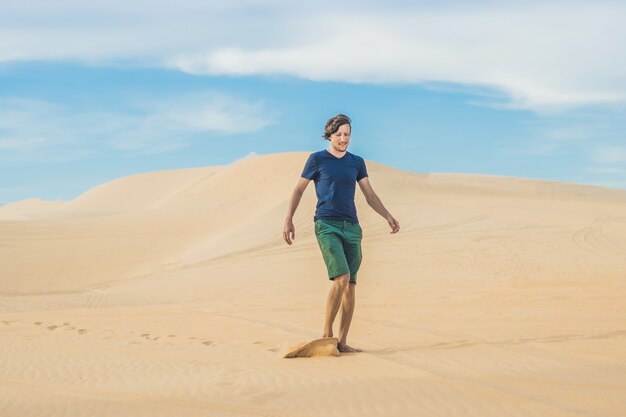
(310, 168)
(362, 170)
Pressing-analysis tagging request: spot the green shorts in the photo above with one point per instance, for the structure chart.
(340, 243)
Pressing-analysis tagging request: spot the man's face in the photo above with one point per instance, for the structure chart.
(341, 138)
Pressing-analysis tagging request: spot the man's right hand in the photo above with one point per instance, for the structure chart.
(289, 232)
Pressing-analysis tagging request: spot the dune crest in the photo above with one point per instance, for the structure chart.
(30, 208)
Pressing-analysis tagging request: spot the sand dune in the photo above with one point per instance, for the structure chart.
(30, 209)
(172, 293)
(139, 192)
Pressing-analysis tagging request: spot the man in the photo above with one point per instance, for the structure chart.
(336, 172)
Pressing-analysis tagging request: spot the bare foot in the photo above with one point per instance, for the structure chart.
(346, 348)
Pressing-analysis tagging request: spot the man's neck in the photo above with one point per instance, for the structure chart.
(336, 153)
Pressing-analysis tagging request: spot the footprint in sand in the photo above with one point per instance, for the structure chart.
(52, 327)
(268, 349)
(204, 342)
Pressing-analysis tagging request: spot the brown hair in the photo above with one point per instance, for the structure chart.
(333, 124)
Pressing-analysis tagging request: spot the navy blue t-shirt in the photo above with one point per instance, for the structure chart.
(335, 183)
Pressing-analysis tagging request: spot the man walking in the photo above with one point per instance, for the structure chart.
(335, 172)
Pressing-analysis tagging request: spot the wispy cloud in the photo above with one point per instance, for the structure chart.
(606, 170)
(173, 123)
(608, 167)
(569, 133)
(610, 155)
(30, 128)
(541, 55)
(20, 144)
(209, 111)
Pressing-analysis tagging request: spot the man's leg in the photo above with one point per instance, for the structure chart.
(333, 301)
(347, 309)
(354, 256)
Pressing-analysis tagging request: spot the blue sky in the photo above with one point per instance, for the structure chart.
(89, 93)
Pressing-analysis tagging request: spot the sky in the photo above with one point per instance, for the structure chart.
(93, 91)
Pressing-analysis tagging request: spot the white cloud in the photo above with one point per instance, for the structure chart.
(211, 112)
(569, 133)
(610, 155)
(30, 127)
(168, 124)
(21, 144)
(541, 55)
(609, 169)
(606, 170)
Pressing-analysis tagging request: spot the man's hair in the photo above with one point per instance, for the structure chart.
(333, 124)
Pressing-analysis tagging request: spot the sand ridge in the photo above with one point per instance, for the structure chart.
(318, 347)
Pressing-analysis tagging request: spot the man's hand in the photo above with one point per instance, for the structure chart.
(393, 223)
(289, 232)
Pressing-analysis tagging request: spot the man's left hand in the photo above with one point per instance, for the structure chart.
(393, 223)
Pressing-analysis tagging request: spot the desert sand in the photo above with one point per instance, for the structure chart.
(172, 293)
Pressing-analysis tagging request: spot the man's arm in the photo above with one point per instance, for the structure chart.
(375, 203)
(289, 231)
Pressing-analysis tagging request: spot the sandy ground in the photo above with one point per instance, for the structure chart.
(173, 294)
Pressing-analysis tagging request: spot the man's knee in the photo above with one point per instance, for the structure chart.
(342, 280)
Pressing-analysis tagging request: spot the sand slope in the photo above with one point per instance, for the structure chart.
(172, 293)
(30, 209)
